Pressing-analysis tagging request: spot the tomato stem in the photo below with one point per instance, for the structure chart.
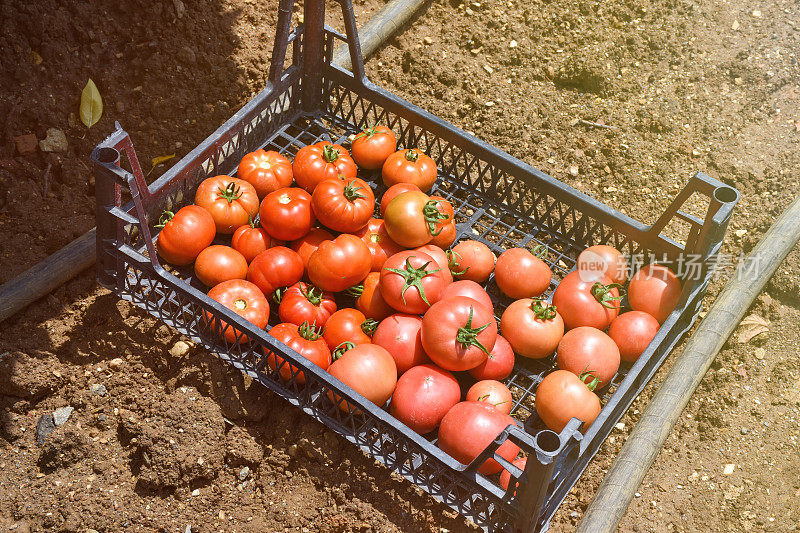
(251, 222)
(595, 380)
(468, 336)
(541, 309)
(313, 294)
(309, 332)
(541, 251)
(367, 132)
(277, 295)
(165, 217)
(351, 191)
(231, 192)
(452, 263)
(341, 349)
(329, 153)
(355, 291)
(413, 278)
(433, 217)
(412, 155)
(602, 293)
(369, 326)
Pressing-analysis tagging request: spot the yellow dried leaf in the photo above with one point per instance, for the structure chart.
(160, 159)
(752, 326)
(91, 104)
(36, 58)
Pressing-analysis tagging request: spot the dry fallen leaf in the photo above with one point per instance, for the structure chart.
(160, 159)
(752, 326)
(91, 104)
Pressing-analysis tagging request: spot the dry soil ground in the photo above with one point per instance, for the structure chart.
(171, 440)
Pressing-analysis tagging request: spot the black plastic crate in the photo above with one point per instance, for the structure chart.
(499, 200)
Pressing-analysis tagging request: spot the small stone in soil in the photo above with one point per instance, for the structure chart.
(180, 348)
(98, 389)
(243, 473)
(61, 415)
(115, 364)
(728, 469)
(56, 141)
(44, 426)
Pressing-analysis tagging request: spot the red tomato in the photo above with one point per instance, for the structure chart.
(470, 289)
(286, 213)
(600, 260)
(492, 392)
(275, 268)
(532, 327)
(471, 260)
(655, 289)
(219, 263)
(446, 219)
(265, 171)
(423, 396)
(230, 201)
(303, 339)
(505, 475)
(185, 234)
(308, 244)
(372, 146)
(250, 240)
(409, 166)
(369, 299)
(305, 303)
(446, 237)
(561, 396)
(339, 264)
(343, 205)
(369, 370)
(469, 427)
(440, 257)
(318, 162)
(586, 349)
(586, 303)
(411, 282)
(410, 218)
(244, 299)
(380, 245)
(347, 325)
(520, 274)
(632, 333)
(498, 365)
(458, 333)
(393, 191)
(400, 335)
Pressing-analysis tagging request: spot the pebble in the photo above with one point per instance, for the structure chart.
(195, 492)
(729, 468)
(427, 40)
(98, 389)
(735, 25)
(573, 170)
(115, 364)
(180, 349)
(180, 8)
(756, 13)
(44, 426)
(56, 141)
(188, 529)
(244, 473)
(512, 44)
(488, 69)
(61, 415)
(292, 450)
(759, 353)
(744, 431)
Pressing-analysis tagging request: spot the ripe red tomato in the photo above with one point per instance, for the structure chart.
(532, 327)
(409, 166)
(469, 427)
(423, 396)
(411, 282)
(632, 332)
(343, 205)
(440, 257)
(520, 274)
(655, 289)
(286, 213)
(339, 264)
(308, 244)
(446, 237)
(185, 234)
(470, 289)
(393, 191)
(498, 365)
(219, 263)
(230, 201)
(369, 370)
(492, 392)
(244, 299)
(265, 171)
(347, 325)
(458, 333)
(321, 161)
(305, 340)
(471, 260)
(586, 303)
(400, 335)
(444, 230)
(505, 475)
(601, 260)
(380, 245)
(305, 303)
(369, 299)
(372, 146)
(410, 217)
(586, 349)
(250, 240)
(274, 268)
(561, 396)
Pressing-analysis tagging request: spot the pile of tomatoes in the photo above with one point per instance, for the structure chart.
(419, 313)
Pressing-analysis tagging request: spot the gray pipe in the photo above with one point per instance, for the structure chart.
(663, 411)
